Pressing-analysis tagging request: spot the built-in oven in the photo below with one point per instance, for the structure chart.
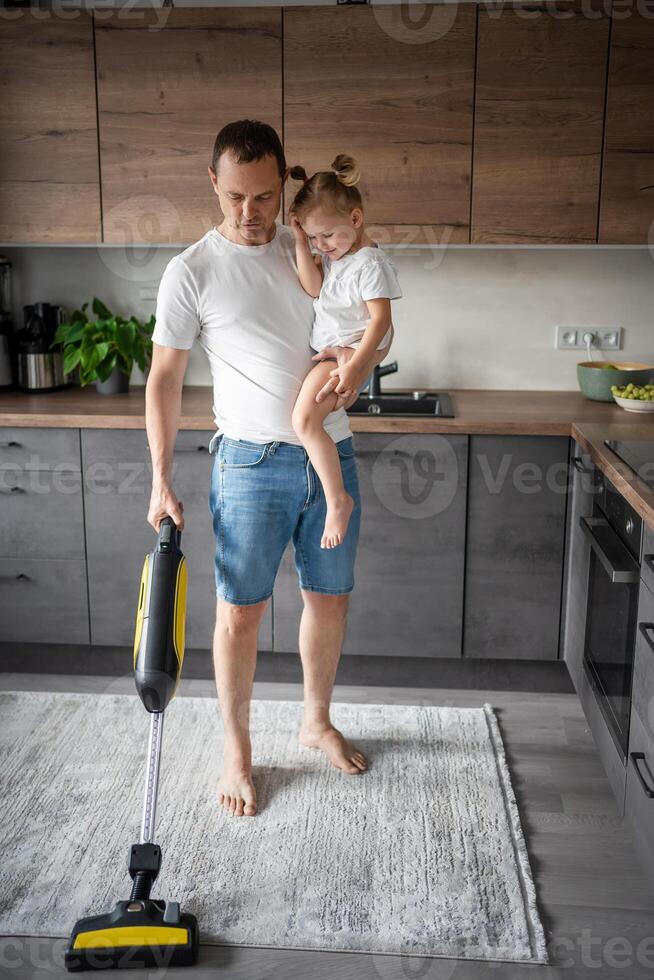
(614, 533)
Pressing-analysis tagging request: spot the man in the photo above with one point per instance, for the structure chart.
(237, 291)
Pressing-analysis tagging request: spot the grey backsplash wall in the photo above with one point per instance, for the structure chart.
(470, 317)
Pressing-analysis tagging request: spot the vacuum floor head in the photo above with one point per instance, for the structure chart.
(136, 934)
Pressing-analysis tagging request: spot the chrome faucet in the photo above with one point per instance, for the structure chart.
(379, 371)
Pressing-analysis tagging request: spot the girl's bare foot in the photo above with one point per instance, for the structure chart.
(336, 521)
(336, 747)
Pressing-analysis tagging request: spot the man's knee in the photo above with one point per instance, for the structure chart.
(326, 606)
(239, 619)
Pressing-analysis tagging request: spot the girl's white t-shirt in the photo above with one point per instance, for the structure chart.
(246, 307)
(340, 311)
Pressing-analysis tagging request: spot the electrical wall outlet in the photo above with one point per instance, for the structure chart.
(601, 338)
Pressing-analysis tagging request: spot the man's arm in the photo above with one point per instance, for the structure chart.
(163, 402)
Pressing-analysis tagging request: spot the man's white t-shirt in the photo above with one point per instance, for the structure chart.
(245, 305)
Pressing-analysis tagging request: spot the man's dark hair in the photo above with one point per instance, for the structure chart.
(248, 140)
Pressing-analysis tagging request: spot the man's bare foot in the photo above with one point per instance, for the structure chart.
(336, 521)
(236, 791)
(336, 747)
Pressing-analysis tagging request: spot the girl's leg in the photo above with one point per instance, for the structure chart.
(307, 420)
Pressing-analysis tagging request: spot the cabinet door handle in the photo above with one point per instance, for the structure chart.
(192, 449)
(644, 627)
(14, 490)
(10, 445)
(637, 757)
(21, 577)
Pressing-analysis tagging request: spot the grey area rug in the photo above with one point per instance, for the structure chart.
(423, 854)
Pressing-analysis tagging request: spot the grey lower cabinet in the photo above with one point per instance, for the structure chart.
(43, 593)
(408, 594)
(647, 566)
(117, 485)
(517, 490)
(585, 482)
(639, 795)
(43, 600)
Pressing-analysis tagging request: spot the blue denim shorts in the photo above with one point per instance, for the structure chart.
(263, 495)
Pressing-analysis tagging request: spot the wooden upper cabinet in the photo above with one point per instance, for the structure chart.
(168, 80)
(396, 94)
(49, 189)
(539, 112)
(627, 202)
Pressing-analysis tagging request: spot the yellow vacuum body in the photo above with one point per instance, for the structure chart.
(143, 932)
(160, 621)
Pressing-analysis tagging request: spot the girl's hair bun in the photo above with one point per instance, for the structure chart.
(346, 170)
(298, 173)
(332, 190)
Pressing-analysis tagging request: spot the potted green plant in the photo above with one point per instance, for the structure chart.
(105, 349)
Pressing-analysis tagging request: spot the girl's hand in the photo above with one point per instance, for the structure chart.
(350, 376)
(343, 399)
(342, 355)
(300, 237)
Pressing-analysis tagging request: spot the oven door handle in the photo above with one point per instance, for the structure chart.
(608, 547)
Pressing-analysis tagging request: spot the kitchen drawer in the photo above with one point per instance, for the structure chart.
(41, 514)
(575, 588)
(642, 696)
(647, 564)
(39, 449)
(194, 441)
(43, 601)
(612, 759)
(639, 804)
(131, 445)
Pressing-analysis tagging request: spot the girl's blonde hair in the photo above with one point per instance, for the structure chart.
(332, 189)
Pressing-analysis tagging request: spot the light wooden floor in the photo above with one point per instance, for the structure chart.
(595, 903)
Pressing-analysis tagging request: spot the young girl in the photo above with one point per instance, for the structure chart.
(352, 282)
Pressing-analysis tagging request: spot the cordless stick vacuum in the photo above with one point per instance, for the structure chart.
(144, 932)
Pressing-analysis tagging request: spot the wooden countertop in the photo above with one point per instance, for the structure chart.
(591, 436)
(477, 412)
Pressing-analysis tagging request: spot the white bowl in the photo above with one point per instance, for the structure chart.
(634, 404)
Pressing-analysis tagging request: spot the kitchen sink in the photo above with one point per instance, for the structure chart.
(404, 404)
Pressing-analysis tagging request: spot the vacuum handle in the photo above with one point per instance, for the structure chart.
(169, 535)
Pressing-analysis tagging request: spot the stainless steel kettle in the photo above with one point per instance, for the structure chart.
(39, 367)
